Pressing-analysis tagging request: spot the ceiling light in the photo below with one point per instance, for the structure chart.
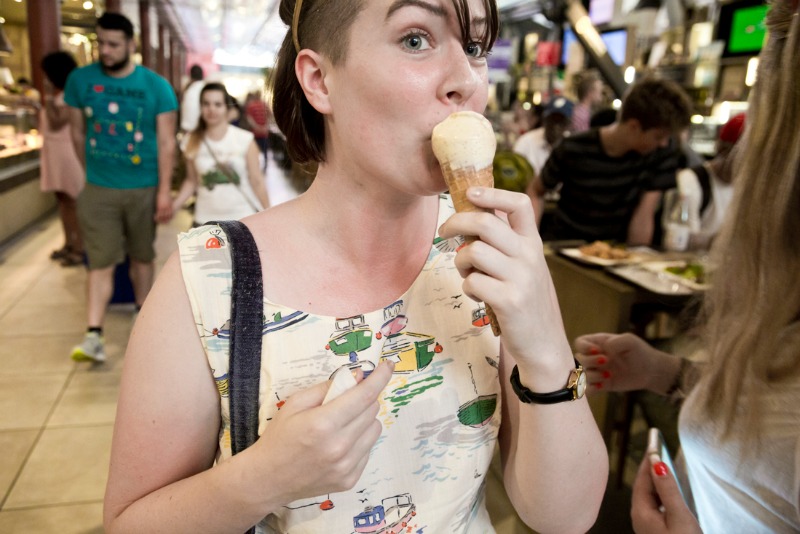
(88, 5)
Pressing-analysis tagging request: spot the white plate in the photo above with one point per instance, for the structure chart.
(653, 277)
(660, 268)
(636, 255)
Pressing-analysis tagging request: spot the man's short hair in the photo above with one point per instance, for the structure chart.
(116, 21)
(196, 72)
(657, 104)
(586, 84)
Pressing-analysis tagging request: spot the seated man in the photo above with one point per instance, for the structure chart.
(611, 178)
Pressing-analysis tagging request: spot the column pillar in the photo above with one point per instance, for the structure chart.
(112, 6)
(44, 35)
(144, 36)
(163, 50)
(174, 76)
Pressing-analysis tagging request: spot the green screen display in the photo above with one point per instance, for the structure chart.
(748, 30)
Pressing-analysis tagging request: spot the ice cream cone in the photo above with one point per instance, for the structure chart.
(464, 144)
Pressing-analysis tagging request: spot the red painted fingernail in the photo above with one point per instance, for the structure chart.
(606, 374)
(660, 469)
(601, 361)
(594, 350)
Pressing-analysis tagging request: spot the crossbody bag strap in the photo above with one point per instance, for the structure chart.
(247, 309)
(237, 186)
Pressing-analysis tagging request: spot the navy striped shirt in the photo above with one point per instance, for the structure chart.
(599, 193)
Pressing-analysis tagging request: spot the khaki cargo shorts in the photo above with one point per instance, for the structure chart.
(115, 222)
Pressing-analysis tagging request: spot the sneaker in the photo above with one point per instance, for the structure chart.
(91, 350)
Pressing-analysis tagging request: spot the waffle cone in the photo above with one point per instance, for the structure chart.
(458, 181)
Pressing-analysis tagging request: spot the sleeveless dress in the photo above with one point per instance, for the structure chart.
(60, 171)
(440, 411)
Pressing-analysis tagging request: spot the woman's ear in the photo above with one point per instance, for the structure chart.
(310, 69)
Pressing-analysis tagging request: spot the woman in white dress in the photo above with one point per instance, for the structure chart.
(222, 164)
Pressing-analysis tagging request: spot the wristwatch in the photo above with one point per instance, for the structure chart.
(576, 387)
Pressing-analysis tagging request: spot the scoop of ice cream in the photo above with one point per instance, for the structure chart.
(464, 139)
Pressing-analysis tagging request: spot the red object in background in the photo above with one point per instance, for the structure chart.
(548, 53)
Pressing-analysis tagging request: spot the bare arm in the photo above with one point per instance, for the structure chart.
(165, 132)
(77, 126)
(536, 191)
(58, 115)
(188, 187)
(555, 465)
(642, 225)
(255, 176)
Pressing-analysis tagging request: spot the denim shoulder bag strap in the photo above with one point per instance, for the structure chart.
(244, 360)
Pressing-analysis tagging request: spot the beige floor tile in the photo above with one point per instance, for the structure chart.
(35, 244)
(90, 399)
(14, 445)
(26, 400)
(35, 319)
(68, 465)
(71, 519)
(59, 286)
(26, 355)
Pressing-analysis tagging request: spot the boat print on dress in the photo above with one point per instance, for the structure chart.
(409, 351)
(278, 322)
(478, 411)
(392, 516)
(352, 335)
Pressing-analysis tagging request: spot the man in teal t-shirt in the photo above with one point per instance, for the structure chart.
(123, 120)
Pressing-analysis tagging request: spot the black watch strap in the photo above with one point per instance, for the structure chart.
(529, 397)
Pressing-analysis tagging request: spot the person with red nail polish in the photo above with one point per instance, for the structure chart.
(739, 423)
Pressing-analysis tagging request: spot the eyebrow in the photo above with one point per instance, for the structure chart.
(434, 9)
(400, 4)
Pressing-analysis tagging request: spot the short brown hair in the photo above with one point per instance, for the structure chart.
(657, 104)
(325, 27)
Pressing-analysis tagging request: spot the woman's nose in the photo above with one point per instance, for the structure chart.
(460, 79)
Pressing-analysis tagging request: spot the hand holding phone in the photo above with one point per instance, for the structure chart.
(658, 503)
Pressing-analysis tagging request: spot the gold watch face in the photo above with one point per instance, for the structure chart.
(579, 383)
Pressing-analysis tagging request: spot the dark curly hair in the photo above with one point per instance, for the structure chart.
(57, 66)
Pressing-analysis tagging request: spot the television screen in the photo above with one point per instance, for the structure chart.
(615, 40)
(748, 29)
(742, 27)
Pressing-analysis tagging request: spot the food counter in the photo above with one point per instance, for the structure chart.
(21, 201)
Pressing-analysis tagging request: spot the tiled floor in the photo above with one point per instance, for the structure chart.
(56, 416)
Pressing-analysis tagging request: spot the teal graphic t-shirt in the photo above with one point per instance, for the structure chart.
(121, 141)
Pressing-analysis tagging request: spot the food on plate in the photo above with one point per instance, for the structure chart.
(694, 272)
(465, 143)
(602, 250)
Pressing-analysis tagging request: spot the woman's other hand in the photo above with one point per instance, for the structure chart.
(309, 449)
(657, 506)
(625, 362)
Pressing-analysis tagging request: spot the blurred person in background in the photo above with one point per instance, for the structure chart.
(222, 164)
(611, 178)
(257, 116)
(123, 122)
(61, 170)
(590, 94)
(190, 100)
(739, 423)
(537, 145)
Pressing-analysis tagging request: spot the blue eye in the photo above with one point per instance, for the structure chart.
(474, 50)
(416, 42)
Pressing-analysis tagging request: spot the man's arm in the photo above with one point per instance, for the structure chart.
(165, 132)
(77, 125)
(642, 225)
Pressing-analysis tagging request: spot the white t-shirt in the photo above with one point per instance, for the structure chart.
(704, 226)
(217, 199)
(735, 488)
(533, 147)
(190, 106)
